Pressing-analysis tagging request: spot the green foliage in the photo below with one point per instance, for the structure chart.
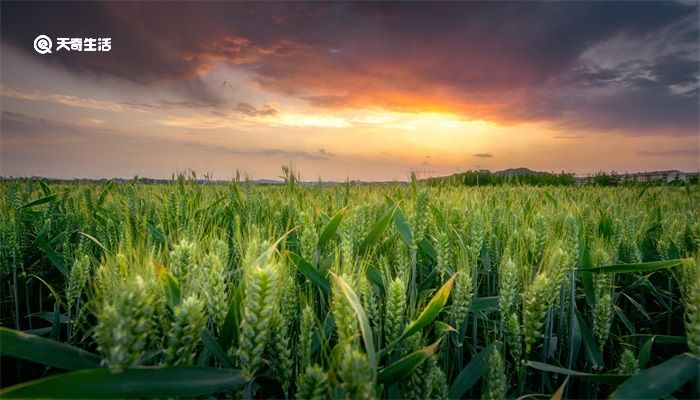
(131, 383)
(45, 351)
(661, 380)
(403, 367)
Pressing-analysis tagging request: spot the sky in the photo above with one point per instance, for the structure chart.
(370, 91)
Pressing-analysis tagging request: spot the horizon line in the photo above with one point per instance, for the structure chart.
(280, 179)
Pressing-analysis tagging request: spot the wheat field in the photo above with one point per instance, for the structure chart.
(348, 291)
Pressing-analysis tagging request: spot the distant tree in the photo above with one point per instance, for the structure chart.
(604, 179)
(488, 178)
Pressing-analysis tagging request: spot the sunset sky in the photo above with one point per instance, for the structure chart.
(350, 90)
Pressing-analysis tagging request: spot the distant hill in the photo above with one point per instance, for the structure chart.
(522, 171)
(268, 182)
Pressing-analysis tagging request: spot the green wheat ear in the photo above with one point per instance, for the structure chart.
(221, 250)
(356, 375)
(395, 310)
(308, 237)
(462, 298)
(603, 308)
(496, 380)
(508, 283)
(217, 288)
(77, 279)
(280, 351)
(628, 363)
(345, 319)
(189, 321)
(602, 317)
(444, 254)
(124, 325)
(692, 306)
(438, 385)
(182, 260)
(512, 331)
(306, 331)
(313, 384)
(418, 386)
(257, 314)
(535, 305)
(369, 301)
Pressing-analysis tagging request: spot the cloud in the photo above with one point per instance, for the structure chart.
(98, 104)
(670, 153)
(591, 77)
(483, 155)
(324, 153)
(28, 131)
(247, 109)
(23, 129)
(502, 61)
(651, 109)
(321, 154)
(19, 127)
(19, 124)
(59, 99)
(219, 111)
(635, 96)
(677, 69)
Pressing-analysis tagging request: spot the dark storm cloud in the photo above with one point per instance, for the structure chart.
(592, 77)
(679, 68)
(495, 60)
(647, 97)
(141, 54)
(146, 46)
(676, 69)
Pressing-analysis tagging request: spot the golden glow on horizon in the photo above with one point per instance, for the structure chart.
(374, 118)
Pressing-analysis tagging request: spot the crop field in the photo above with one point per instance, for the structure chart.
(313, 291)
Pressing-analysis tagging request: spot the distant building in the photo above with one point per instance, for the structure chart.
(581, 180)
(663, 176)
(652, 176)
